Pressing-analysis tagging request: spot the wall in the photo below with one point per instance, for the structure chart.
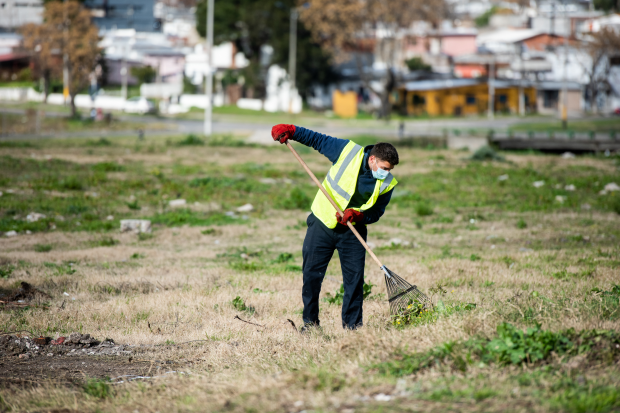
(465, 101)
(458, 45)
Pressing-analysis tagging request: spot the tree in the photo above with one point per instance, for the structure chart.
(144, 74)
(416, 63)
(252, 24)
(66, 29)
(46, 65)
(602, 48)
(352, 28)
(607, 5)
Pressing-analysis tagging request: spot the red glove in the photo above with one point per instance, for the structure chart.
(350, 215)
(282, 132)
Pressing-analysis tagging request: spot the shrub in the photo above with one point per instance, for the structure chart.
(521, 224)
(486, 153)
(191, 140)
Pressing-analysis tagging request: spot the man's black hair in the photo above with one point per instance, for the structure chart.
(386, 152)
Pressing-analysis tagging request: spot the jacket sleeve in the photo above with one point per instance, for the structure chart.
(326, 145)
(372, 214)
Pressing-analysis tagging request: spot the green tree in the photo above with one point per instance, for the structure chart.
(416, 63)
(251, 24)
(144, 74)
(607, 5)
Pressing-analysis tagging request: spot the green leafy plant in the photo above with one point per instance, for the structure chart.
(6, 270)
(240, 305)
(338, 296)
(521, 224)
(475, 257)
(133, 205)
(510, 346)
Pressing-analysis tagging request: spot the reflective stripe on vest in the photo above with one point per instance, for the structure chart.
(345, 164)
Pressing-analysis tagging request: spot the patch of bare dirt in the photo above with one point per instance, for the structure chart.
(30, 361)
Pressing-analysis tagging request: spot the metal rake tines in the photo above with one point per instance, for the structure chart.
(401, 294)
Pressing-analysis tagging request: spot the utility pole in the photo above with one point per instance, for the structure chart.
(522, 75)
(292, 57)
(565, 80)
(491, 112)
(65, 56)
(124, 73)
(208, 127)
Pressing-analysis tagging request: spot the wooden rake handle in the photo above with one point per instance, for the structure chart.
(350, 225)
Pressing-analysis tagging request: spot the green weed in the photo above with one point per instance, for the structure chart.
(521, 224)
(297, 199)
(144, 236)
(133, 205)
(43, 247)
(423, 210)
(511, 346)
(240, 305)
(6, 270)
(181, 217)
(191, 140)
(98, 388)
(105, 242)
(338, 296)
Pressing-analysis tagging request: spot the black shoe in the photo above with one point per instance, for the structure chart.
(309, 328)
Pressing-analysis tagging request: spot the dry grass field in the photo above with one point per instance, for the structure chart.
(524, 280)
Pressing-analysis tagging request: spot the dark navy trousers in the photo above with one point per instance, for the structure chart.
(318, 250)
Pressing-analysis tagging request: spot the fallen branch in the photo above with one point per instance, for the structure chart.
(293, 324)
(249, 322)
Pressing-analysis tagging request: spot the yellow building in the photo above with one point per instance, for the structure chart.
(459, 97)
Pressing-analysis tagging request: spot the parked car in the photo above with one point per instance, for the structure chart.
(139, 104)
(617, 112)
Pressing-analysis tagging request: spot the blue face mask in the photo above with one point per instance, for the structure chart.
(380, 173)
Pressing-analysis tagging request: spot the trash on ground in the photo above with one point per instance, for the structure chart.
(246, 208)
(175, 203)
(136, 225)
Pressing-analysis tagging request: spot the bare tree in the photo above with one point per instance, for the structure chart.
(602, 48)
(66, 29)
(38, 40)
(353, 28)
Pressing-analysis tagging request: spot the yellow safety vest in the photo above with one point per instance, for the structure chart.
(340, 183)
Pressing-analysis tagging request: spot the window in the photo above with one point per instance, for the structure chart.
(502, 99)
(470, 100)
(418, 100)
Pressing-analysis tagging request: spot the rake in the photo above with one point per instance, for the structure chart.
(402, 296)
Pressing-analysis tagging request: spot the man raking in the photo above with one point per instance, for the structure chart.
(360, 183)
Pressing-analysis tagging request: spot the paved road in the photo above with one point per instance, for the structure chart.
(258, 129)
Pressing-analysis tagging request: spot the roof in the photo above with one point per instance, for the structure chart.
(507, 36)
(557, 85)
(439, 84)
(12, 56)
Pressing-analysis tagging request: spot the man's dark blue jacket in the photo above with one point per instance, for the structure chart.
(332, 148)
